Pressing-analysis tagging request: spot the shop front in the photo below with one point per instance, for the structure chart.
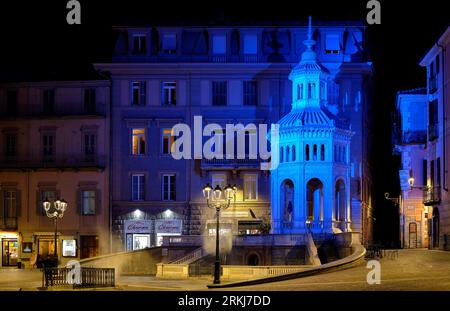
(138, 234)
(10, 249)
(167, 227)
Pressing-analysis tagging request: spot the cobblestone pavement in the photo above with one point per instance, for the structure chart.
(419, 269)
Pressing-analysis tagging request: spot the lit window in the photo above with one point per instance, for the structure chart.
(138, 93)
(169, 93)
(167, 142)
(169, 43)
(138, 141)
(88, 198)
(250, 187)
(219, 44)
(137, 187)
(250, 44)
(168, 187)
(139, 44)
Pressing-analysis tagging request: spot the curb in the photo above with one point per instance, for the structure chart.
(344, 263)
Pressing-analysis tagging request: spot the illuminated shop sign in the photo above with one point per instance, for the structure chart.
(138, 226)
(172, 226)
(69, 248)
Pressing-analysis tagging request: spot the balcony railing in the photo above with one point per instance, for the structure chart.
(414, 137)
(230, 164)
(53, 162)
(432, 195)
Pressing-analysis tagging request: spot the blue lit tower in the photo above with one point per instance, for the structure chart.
(310, 187)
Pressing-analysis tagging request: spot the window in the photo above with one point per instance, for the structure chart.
(11, 102)
(137, 187)
(315, 153)
(49, 102)
(438, 171)
(89, 146)
(10, 204)
(139, 44)
(169, 93)
(287, 154)
(424, 172)
(219, 179)
(322, 153)
(10, 145)
(299, 91)
(138, 141)
(46, 194)
(219, 44)
(432, 173)
(89, 101)
(138, 94)
(88, 198)
(48, 146)
(281, 154)
(250, 93)
(309, 90)
(169, 43)
(293, 153)
(322, 91)
(168, 187)
(437, 64)
(307, 152)
(332, 45)
(167, 141)
(433, 122)
(250, 44)
(219, 93)
(250, 187)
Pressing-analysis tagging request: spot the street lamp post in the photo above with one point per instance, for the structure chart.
(214, 201)
(55, 210)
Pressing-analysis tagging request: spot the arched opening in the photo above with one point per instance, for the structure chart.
(322, 153)
(309, 90)
(287, 154)
(287, 201)
(307, 152)
(313, 90)
(293, 153)
(253, 259)
(314, 199)
(435, 228)
(315, 153)
(339, 201)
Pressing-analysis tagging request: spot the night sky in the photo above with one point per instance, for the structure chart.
(37, 44)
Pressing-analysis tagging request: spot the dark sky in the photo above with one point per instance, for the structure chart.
(36, 43)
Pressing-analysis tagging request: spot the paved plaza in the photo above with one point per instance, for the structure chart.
(418, 269)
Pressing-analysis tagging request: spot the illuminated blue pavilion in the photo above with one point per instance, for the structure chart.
(310, 188)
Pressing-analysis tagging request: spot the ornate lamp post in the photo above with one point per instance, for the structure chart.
(55, 211)
(218, 199)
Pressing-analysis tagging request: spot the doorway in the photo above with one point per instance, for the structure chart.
(10, 252)
(253, 260)
(412, 235)
(435, 228)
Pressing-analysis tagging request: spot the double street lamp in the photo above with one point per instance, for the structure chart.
(218, 199)
(55, 210)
